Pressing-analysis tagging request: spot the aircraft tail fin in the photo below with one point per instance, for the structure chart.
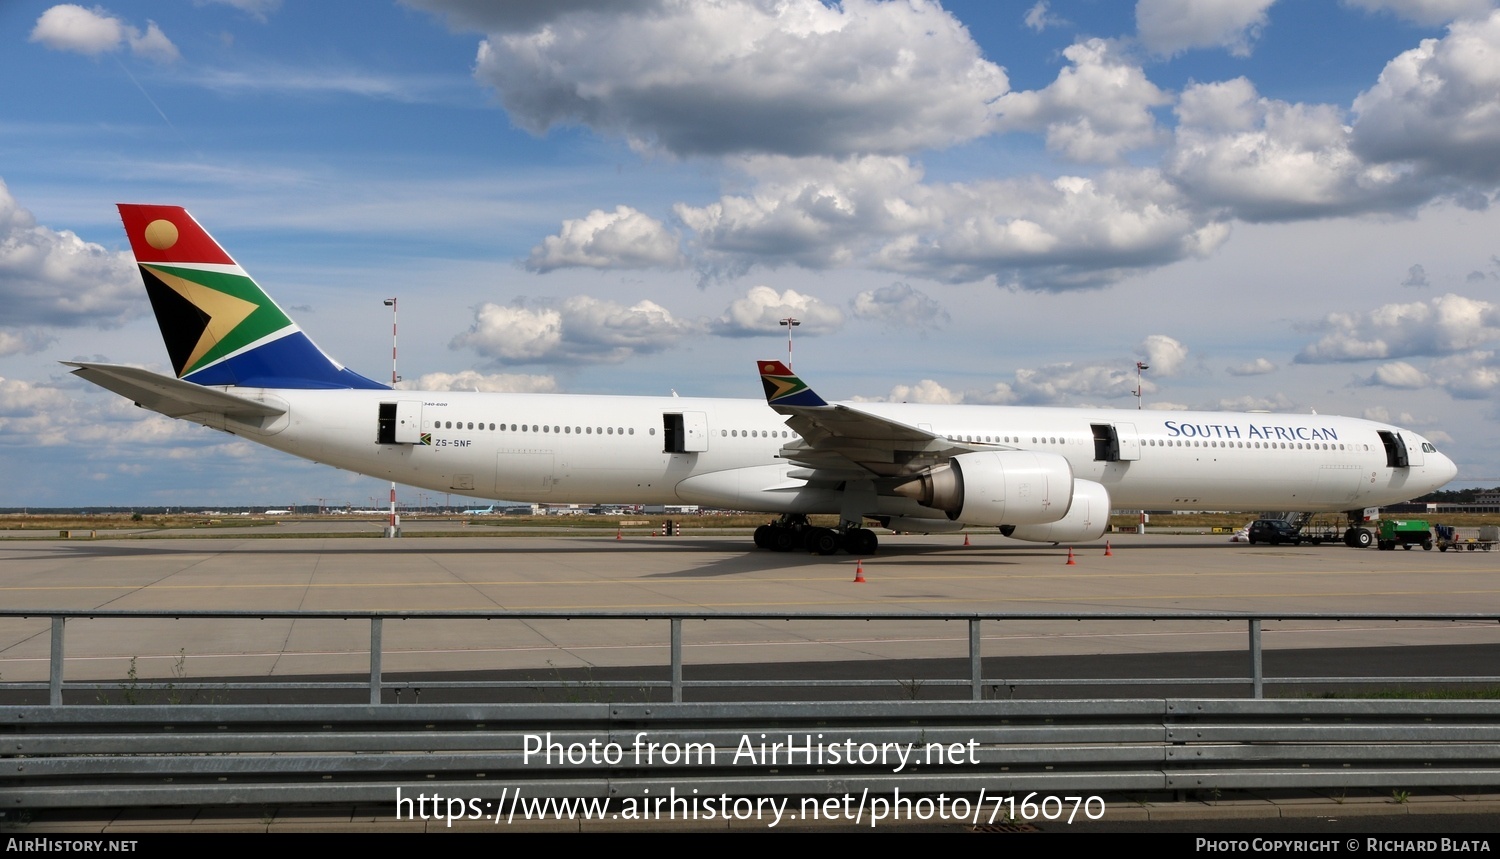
(219, 326)
(783, 388)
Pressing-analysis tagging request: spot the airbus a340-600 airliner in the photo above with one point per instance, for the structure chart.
(1042, 474)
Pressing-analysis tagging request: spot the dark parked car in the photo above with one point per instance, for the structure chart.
(1273, 531)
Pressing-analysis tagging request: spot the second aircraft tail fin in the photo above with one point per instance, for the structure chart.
(783, 388)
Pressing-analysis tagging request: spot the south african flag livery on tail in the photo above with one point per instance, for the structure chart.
(219, 326)
(783, 388)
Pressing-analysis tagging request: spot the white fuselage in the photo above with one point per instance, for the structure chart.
(614, 449)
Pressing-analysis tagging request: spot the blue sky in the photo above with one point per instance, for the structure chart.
(1279, 205)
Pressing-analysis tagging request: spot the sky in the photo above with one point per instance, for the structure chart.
(1276, 205)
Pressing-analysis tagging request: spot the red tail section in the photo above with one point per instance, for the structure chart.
(168, 234)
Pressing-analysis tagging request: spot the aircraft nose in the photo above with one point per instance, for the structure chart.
(1447, 469)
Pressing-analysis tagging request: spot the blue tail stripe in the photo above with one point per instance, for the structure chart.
(289, 362)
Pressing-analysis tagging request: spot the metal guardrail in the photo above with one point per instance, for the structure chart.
(974, 684)
(91, 755)
(487, 756)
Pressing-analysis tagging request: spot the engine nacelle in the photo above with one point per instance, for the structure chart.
(1087, 519)
(1002, 487)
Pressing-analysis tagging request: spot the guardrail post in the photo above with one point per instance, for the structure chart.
(976, 664)
(676, 660)
(55, 668)
(375, 654)
(1256, 677)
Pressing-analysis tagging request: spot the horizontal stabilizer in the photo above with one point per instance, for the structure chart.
(171, 397)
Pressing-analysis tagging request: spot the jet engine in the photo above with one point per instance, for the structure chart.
(1003, 487)
(1086, 520)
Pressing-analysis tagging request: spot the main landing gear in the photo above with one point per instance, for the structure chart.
(792, 531)
(1357, 536)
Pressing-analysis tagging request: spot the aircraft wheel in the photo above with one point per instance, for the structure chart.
(1363, 538)
(763, 537)
(824, 541)
(783, 539)
(861, 541)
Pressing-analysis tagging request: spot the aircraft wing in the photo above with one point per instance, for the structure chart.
(171, 397)
(842, 441)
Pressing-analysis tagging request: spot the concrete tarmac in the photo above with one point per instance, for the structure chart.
(711, 574)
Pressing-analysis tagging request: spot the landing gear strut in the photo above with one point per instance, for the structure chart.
(1357, 536)
(793, 531)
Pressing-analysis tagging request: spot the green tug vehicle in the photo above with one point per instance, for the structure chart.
(1404, 533)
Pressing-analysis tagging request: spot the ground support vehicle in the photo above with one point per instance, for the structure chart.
(1467, 539)
(1404, 533)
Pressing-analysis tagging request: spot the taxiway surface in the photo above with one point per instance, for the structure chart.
(934, 575)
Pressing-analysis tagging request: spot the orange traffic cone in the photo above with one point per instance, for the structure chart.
(617, 534)
(859, 572)
(966, 538)
(1107, 552)
(1071, 562)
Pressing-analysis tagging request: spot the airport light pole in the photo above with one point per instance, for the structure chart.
(392, 530)
(1140, 367)
(789, 323)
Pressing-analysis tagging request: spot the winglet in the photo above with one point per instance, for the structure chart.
(783, 388)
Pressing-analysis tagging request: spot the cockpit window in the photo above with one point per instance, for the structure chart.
(1428, 448)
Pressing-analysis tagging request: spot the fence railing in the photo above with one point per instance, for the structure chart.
(499, 762)
(972, 684)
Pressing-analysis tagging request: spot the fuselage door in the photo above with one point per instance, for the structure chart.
(1129, 442)
(694, 431)
(684, 432)
(409, 422)
(1395, 449)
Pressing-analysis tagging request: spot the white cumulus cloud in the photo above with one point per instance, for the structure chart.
(1166, 355)
(1427, 12)
(1040, 17)
(1098, 109)
(1258, 367)
(622, 239)
(1169, 27)
(878, 212)
(1399, 374)
(53, 278)
(899, 304)
(1442, 326)
(797, 77)
(473, 380)
(579, 329)
(1266, 159)
(91, 32)
(1438, 105)
(762, 308)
